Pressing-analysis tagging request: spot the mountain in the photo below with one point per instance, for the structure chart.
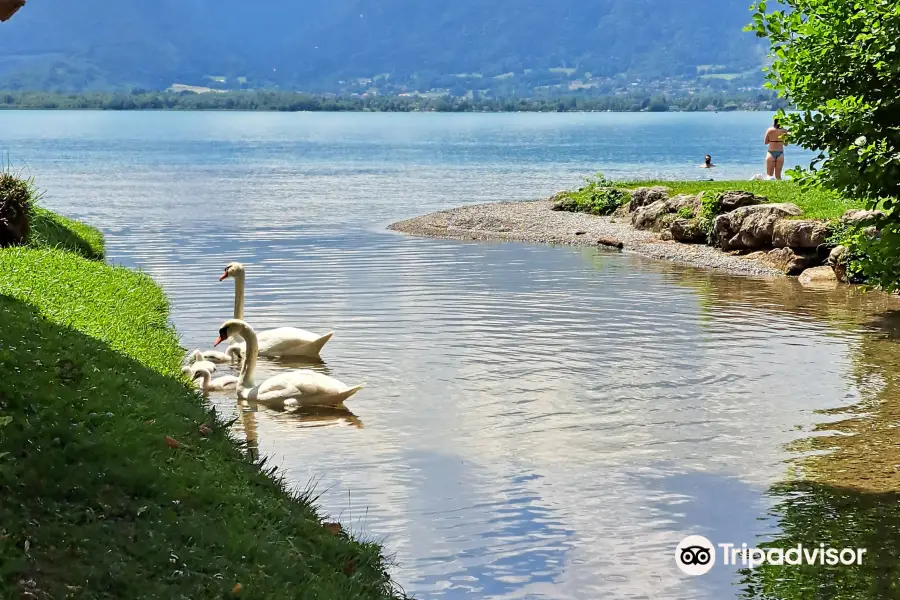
(406, 44)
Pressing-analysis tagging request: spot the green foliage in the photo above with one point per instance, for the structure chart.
(104, 507)
(686, 212)
(710, 208)
(839, 62)
(598, 196)
(870, 258)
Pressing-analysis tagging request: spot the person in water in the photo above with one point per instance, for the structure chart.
(775, 156)
(707, 163)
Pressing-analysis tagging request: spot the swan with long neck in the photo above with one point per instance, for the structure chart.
(299, 388)
(283, 342)
(219, 384)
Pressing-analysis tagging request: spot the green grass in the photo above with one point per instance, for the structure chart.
(94, 504)
(815, 204)
(49, 229)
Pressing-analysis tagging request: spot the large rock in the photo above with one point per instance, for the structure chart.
(799, 234)
(646, 217)
(750, 227)
(861, 217)
(680, 201)
(563, 201)
(656, 216)
(818, 276)
(687, 231)
(838, 259)
(730, 201)
(786, 260)
(647, 195)
(872, 232)
(838, 255)
(559, 195)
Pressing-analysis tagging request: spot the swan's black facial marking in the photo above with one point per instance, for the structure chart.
(223, 335)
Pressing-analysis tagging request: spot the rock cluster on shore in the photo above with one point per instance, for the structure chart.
(745, 225)
(742, 235)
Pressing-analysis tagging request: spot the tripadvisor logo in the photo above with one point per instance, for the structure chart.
(696, 555)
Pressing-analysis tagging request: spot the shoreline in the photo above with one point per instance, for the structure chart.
(533, 221)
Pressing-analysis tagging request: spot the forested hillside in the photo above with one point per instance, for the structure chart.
(316, 45)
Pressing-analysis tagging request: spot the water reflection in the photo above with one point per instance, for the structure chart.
(842, 487)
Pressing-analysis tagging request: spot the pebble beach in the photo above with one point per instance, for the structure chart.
(535, 222)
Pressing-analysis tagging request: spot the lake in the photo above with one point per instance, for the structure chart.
(537, 422)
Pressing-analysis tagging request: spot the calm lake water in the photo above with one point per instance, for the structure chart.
(538, 422)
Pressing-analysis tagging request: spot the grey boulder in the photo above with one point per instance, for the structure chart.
(861, 217)
(818, 276)
(647, 195)
(750, 227)
(799, 234)
(785, 259)
(730, 201)
(654, 216)
(687, 231)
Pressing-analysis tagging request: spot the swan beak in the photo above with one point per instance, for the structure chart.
(224, 276)
(219, 340)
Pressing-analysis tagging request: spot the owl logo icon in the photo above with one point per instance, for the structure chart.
(695, 555)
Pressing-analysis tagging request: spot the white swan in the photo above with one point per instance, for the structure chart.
(298, 388)
(196, 361)
(219, 384)
(230, 355)
(274, 343)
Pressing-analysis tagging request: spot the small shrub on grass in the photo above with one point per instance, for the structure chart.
(17, 195)
(686, 212)
(598, 196)
(710, 208)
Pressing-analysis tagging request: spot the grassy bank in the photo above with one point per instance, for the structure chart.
(815, 204)
(95, 501)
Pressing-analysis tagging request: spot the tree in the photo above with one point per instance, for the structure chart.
(838, 61)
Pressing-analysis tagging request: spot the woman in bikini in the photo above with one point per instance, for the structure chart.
(775, 156)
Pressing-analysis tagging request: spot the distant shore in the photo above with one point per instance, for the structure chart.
(268, 101)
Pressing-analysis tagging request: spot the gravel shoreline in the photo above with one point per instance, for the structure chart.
(535, 222)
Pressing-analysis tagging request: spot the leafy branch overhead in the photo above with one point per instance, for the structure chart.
(839, 62)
